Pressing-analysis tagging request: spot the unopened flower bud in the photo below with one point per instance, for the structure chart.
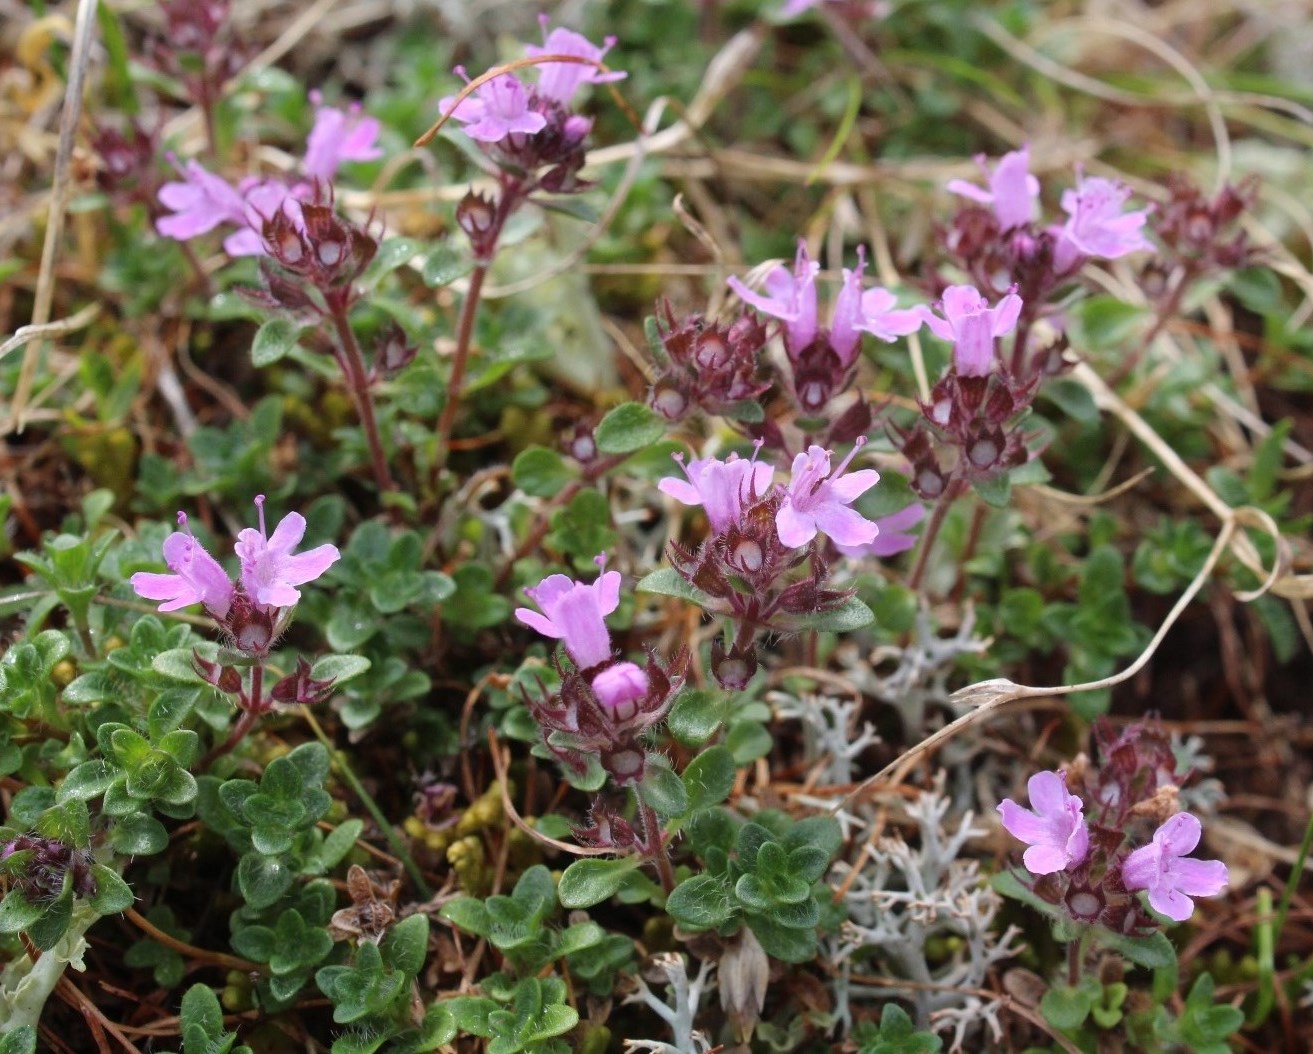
(733, 669)
(620, 687)
(393, 353)
(251, 627)
(667, 400)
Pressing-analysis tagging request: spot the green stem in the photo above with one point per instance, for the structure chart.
(26, 985)
(394, 841)
(1292, 883)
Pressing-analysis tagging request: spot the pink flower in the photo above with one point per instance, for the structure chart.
(573, 612)
(881, 319)
(270, 572)
(1013, 191)
(791, 297)
(621, 684)
(973, 326)
(337, 136)
(1168, 874)
(1054, 826)
(560, 80)
(722, 488)
(201, 202)
(497, 108)
(197, 576)
(894, 535)
(817, 500)
(1096, 225)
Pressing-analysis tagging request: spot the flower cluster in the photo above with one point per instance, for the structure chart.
(822, 358)
(530, 128)
(42, 868)
(604, 704)
(202, 201)
(255, 609)
(976, 406)
(706, 365)
(1001, 243)
(760, 533)
(1086, 865)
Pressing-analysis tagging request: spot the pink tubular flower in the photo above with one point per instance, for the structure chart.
(722, 488)
(201, 202)
(972, 325)
(572, 612)
(1013, 191)
(881, 319)
(894, 535)
(1054, 826)
(270, 572)
(1171, 877)
(846, 322)
(1096, 225)
(560, 80)
(337, 136)
(497, 108)
(197, 576)
(816, 501)
(621, 684)
(790, 297)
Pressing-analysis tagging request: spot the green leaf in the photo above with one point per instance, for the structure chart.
(263, 879)
(579, 937)
(53, 923)
(696, 714)
(138, 834)
(786, 943)
(995, 490)
(701, 902)
(406, 945)
(21, 1040)
(444, 265)
(629, 427)
(339, 668)
(849, 615)
(113, 895)
(590, 881)
(1154, 952)
(469, 914)
(273, 340)
(1066, 1008)
(176, 665)
(17, 913)
(709, 778)
(666, 581)
(541, 473)
(662, 789)
(89, 780)
(748, 741)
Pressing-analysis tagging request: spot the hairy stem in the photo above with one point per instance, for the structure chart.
(460, 361)
(353, 366)
(952, 490)
(252, 708)
(655, 843)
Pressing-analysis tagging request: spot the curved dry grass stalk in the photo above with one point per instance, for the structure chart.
(83, 30)
(501, 763)
(990, 696)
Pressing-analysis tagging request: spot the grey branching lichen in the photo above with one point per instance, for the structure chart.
(928, 918)
(679, 1010)
(829, 732)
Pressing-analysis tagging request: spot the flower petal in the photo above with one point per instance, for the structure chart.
(794, 528)
(1179, 834)
(843, 525)
(1200, 878)
(539, 622)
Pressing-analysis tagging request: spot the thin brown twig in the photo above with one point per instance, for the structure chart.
(190, 951)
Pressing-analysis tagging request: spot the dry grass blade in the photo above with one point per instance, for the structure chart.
(83, 30)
